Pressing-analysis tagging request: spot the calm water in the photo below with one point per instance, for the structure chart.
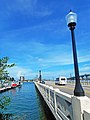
(26, 104)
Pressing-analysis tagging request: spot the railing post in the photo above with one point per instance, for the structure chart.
(79, 104)
(46, 92)
(87, 114)
(55, 104)
(49, 94)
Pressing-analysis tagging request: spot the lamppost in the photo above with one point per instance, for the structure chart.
(40, 79)
(71, 19)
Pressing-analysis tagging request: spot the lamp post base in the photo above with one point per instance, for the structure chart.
(78, 91)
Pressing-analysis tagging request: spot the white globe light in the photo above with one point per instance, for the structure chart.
(71, 18)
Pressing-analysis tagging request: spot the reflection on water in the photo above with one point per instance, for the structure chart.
(13, 90)
(26, 104)
(5, 116)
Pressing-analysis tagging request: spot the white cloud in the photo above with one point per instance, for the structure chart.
(44, 56)
(27, 7)
(53, 74)
(85, 68)
(23, 6)
(17, 71)
(84, 58)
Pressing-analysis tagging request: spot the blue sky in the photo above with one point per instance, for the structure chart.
(35, 36)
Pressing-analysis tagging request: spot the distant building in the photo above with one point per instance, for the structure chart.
(22, 78)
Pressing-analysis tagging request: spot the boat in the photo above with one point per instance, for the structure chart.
(14, 85)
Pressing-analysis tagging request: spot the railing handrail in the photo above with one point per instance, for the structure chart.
(64, 95)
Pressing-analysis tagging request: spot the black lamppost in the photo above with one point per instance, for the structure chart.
(40, 79)
(71, 19)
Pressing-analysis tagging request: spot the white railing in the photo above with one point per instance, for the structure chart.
(63, 105)
(86, 114)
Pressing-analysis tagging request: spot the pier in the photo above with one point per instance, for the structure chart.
(64, 106)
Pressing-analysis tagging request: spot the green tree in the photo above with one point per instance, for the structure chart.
(3, 67)
(4, 100)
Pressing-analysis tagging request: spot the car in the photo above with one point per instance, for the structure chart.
(43, 82)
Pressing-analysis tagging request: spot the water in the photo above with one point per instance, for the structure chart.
(26, 104)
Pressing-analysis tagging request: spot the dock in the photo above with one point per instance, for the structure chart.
(3, 89)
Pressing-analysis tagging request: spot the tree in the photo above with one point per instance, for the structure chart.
(3, 67)
(4, 100)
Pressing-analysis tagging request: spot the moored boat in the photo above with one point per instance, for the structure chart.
(14, 85)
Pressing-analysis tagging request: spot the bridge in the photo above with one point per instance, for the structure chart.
(63, 105)
(82, 77)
